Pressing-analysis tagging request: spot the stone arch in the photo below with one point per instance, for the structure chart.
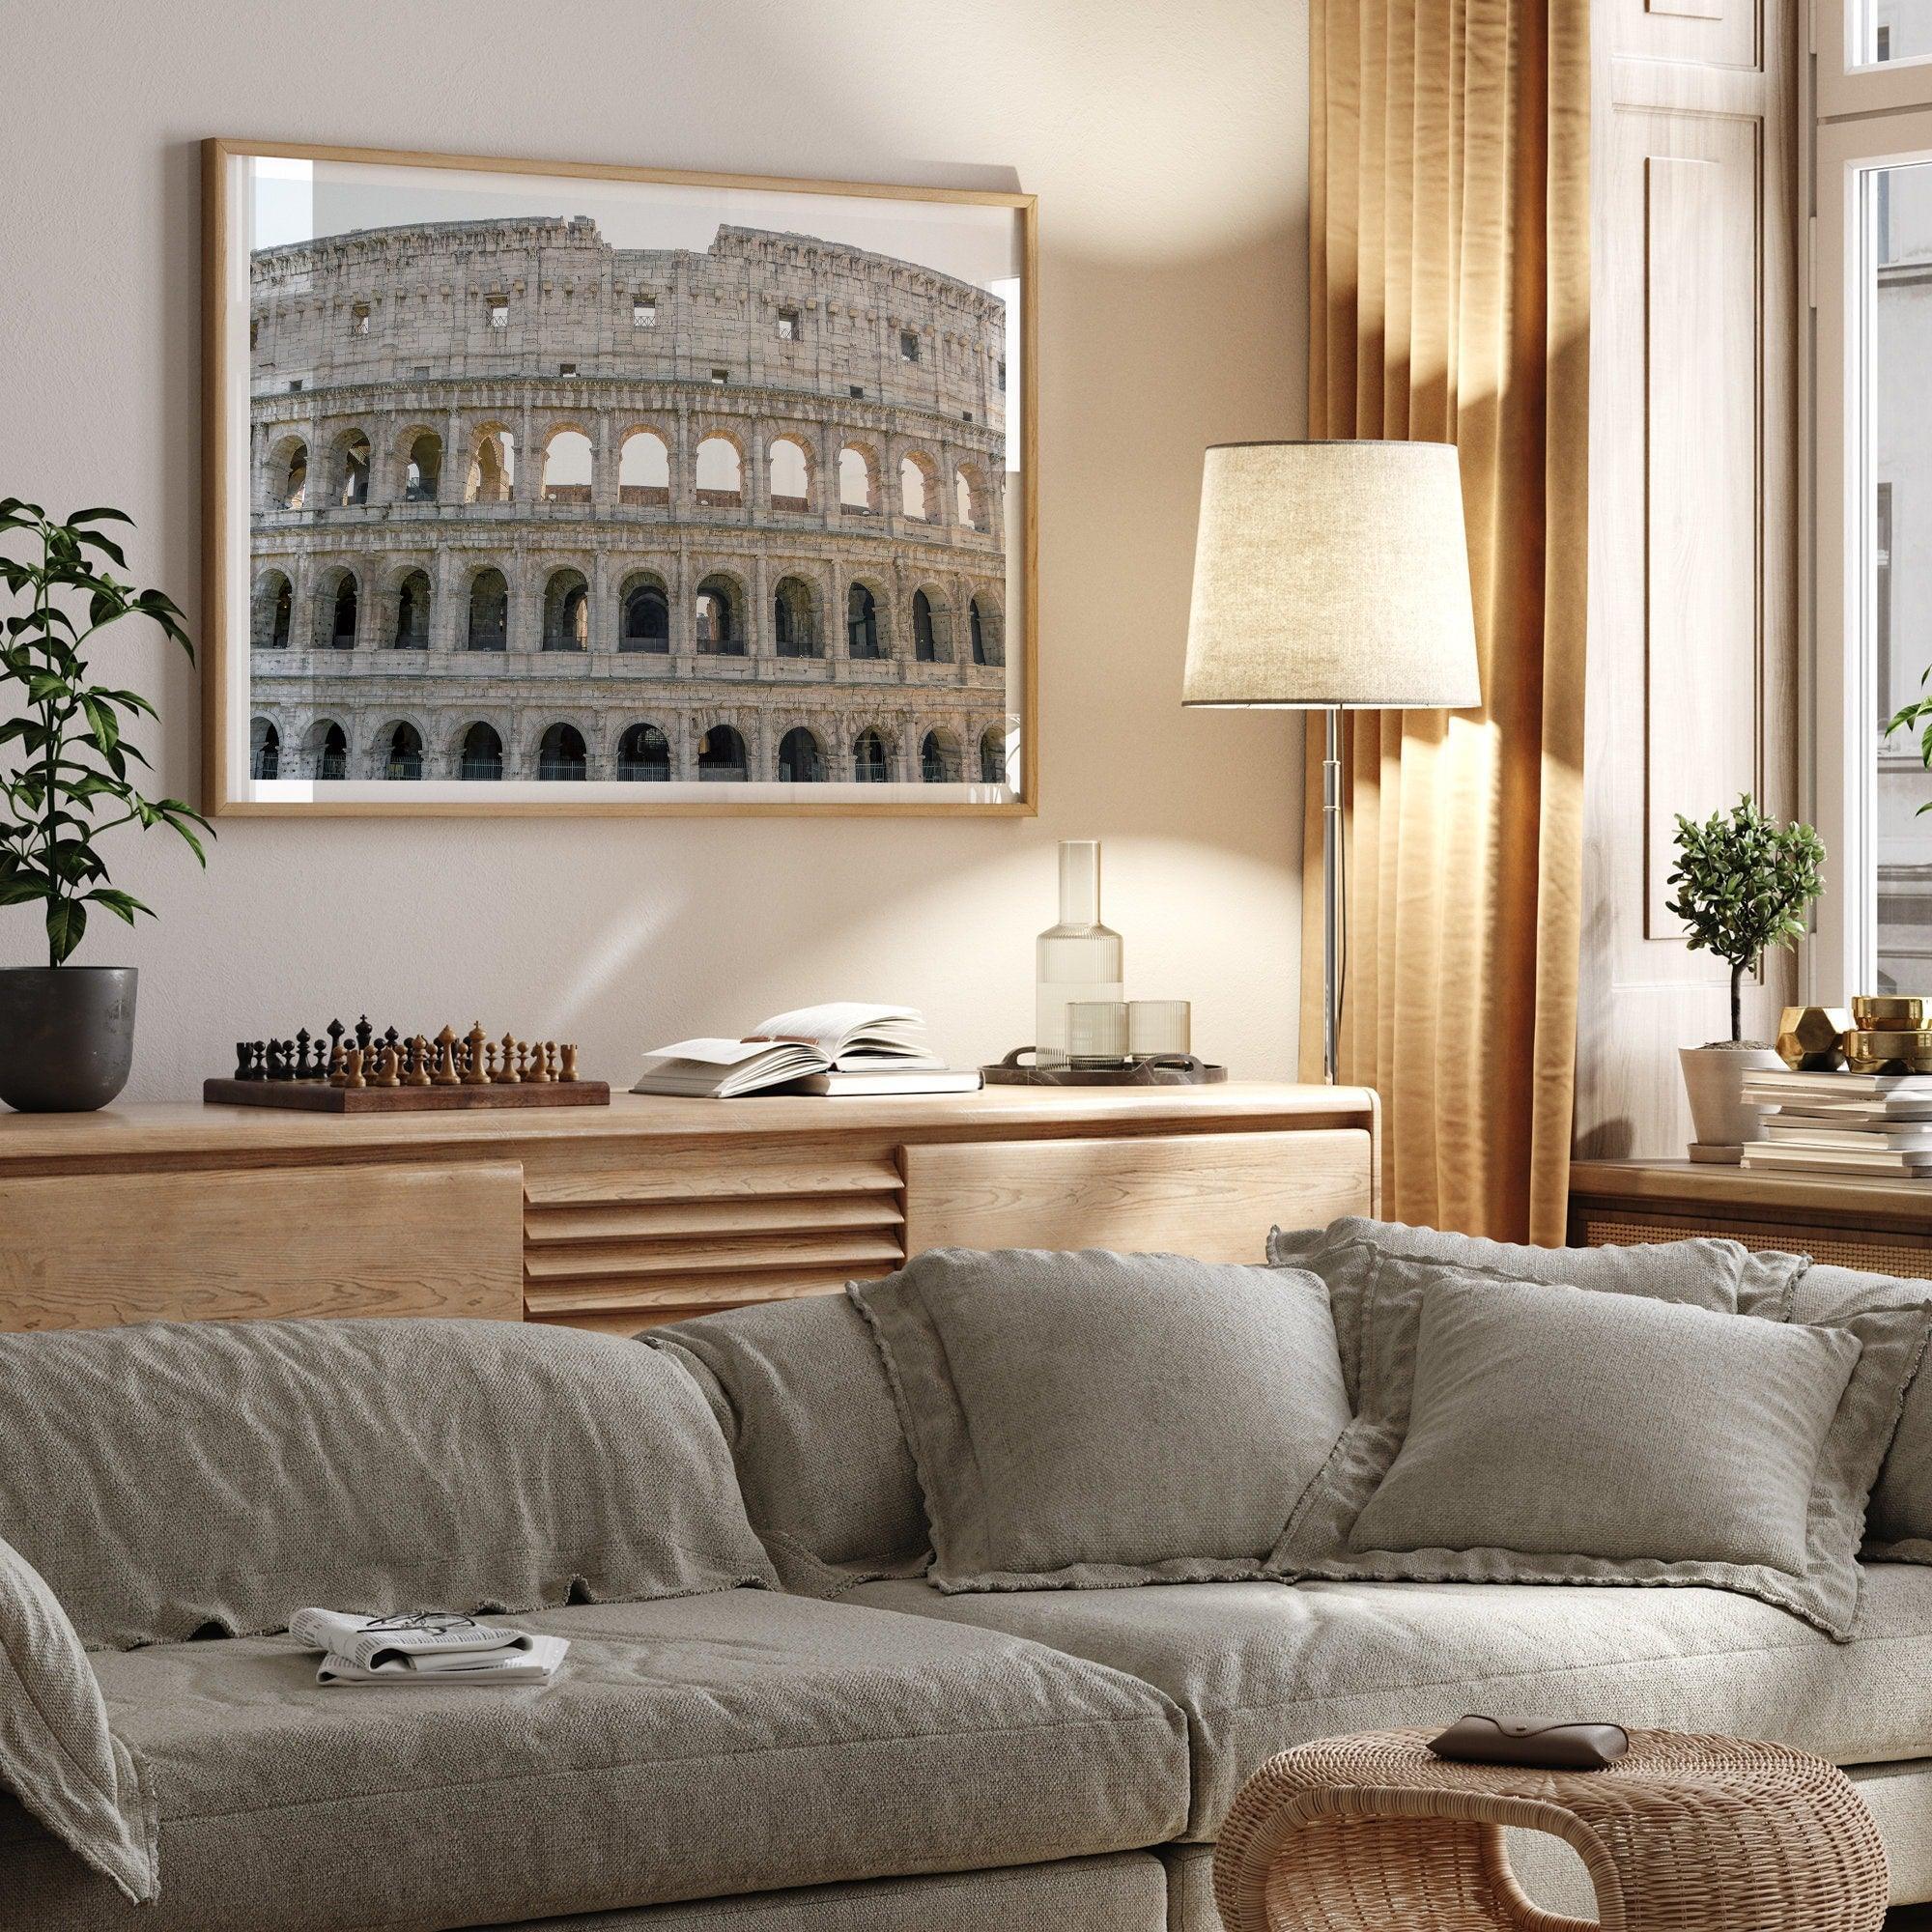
(397, 749)
(476, 750)
(487, 609)
(919, 486)
(867, 625)
(569, 465)
(802, 757)
(644, 468)
(931, 625)
(271, 612)
(643, 754)
(796, 629)
(337, 610)
(972, 503)
(264, 749)
(718, 614)
(408, 611)
(419, 465)
(288, 474)
(566, 610)
(492, 476)
(718, 469)
(643, 613)
(872, 754)
(349, 470)
(562, 751)
(326, 749)
(858, 479)
(992, 755)
(985, 628)
(789, 472)
(939, 757)
(721, 756)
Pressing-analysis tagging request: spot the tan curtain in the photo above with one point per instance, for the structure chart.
(1450, 175)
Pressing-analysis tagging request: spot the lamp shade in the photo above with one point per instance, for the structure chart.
(1332, 574)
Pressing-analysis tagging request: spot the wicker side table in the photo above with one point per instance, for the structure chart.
(1685, 1834)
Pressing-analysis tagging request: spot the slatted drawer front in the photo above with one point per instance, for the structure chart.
(1904, 1257)
(627, 1249)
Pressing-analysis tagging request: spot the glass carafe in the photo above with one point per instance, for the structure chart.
(1077, 959)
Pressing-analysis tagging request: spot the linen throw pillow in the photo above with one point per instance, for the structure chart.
(1091, 1421)
(1528, 1433)
(1724, 1276)
(57, 1755)
(172, 1477)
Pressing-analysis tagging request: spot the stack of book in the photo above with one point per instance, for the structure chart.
(846, 1046)
(1878, 1123)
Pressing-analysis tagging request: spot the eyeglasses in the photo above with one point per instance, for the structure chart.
(434, 1621)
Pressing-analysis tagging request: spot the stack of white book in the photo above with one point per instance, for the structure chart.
(424, 1650)
(1878, 1123)
(846, 1046)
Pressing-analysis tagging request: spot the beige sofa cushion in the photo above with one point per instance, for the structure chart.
(690, 1748)
(1515, 1432)
(1093, 1420)
(1262, 1666)
(172, 1477)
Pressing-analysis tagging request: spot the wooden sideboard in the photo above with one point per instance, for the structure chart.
(1849, 1220)
(646, 1212)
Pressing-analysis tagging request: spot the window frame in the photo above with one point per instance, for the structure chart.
(1848, 86)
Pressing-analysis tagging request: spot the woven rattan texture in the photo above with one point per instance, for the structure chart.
(1686, 1833)
(1914, 1264)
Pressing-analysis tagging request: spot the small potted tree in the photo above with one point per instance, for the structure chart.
(67, 1031)
(1743, 883)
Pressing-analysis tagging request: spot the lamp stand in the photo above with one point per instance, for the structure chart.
(1331, 898)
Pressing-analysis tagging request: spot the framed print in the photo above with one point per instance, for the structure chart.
(546, 487)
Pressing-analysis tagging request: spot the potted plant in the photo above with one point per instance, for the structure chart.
(1743, 883)
(67, 1033)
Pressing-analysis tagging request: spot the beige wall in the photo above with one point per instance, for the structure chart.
(1168, 146)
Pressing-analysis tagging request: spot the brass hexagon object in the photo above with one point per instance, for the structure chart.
(1897, 1012)
(1811, 1039)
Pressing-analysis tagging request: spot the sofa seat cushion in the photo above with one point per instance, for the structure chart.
(1259, 1667)
(689, 1748)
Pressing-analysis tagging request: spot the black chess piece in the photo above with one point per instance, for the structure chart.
(245, 1067)
(304, 1070)
(335, 1032)
(364, 1033)
(278, 1060)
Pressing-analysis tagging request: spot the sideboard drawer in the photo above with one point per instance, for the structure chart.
(1211, 1195)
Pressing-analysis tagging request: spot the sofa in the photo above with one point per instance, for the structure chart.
(771, 1713)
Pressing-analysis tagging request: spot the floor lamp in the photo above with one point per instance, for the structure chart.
(1332, 577)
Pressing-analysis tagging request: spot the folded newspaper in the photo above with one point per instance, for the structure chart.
(430, 1649)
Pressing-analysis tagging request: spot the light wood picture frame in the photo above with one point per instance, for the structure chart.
(557, 487)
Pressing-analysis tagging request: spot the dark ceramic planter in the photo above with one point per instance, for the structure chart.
(66, 1036)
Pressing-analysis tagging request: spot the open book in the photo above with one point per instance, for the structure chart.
(842, 1038)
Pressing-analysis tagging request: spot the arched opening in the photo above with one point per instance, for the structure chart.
(969, 497)
(717, 628)
(353, 488)
(858, 482)
(718, 475)
(983, 618)
(871, 761)
(288, 476)
(915, 490)
(721, 757)
(265, 750)
(992, 757)
(327, 750)
(422, 474)
(939, 759)
(646, 617)
(493, 469)
(788, 475)
(489, 627)
(643, 756)
(644, 470)
(861, 622)
(566, 620)
(411, 633)
(560, 754)
(404, 756)
(930, 644)
(273, 613)
(800, 757)
(481, 755)
(340, 609)
(567, 467)
(794, 635)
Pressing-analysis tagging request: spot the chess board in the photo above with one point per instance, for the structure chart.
(359, 1070)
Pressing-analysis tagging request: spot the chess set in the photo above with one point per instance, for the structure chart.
(358, 1070)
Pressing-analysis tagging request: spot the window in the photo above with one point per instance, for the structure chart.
(871, 763)
(939, 759)
(913, 498)
(482, 754)
(273, 611)
(644, 470)
(787, 324)
(976, 625)
(254, 338)
(646, 618)
(295, 386)
(567, 467)
(792, 632)
(721, 377)
(992, 759)
(801, 760)
(908, 346)
(1003, 375)
(644, 312)
(924, 644)
(788, 475)
(965, 415)
(493, 471)
(858, 481)
(266, 753)
(422, 475)
(354, 461)
(358, 319)
(418, 368)
(857, 390)
(718, 473)
(566, 612)
(566, 370)
(716, 635)
(329, 750)
(861, 622)
(343, 613)
(497, 308)
(411, 633)
(290, 485)
(643, 756)
(404, 758)
(489, 613)
(560, 754)
(721, 757)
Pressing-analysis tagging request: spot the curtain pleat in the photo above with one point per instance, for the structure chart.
(1449, 170)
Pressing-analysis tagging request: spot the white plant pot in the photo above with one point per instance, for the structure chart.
(1714, 1079)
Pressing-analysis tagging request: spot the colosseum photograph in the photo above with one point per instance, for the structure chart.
(533, 503)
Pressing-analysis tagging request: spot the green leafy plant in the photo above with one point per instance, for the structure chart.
(1743, 883)
(63, 759)
(1918, 713)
